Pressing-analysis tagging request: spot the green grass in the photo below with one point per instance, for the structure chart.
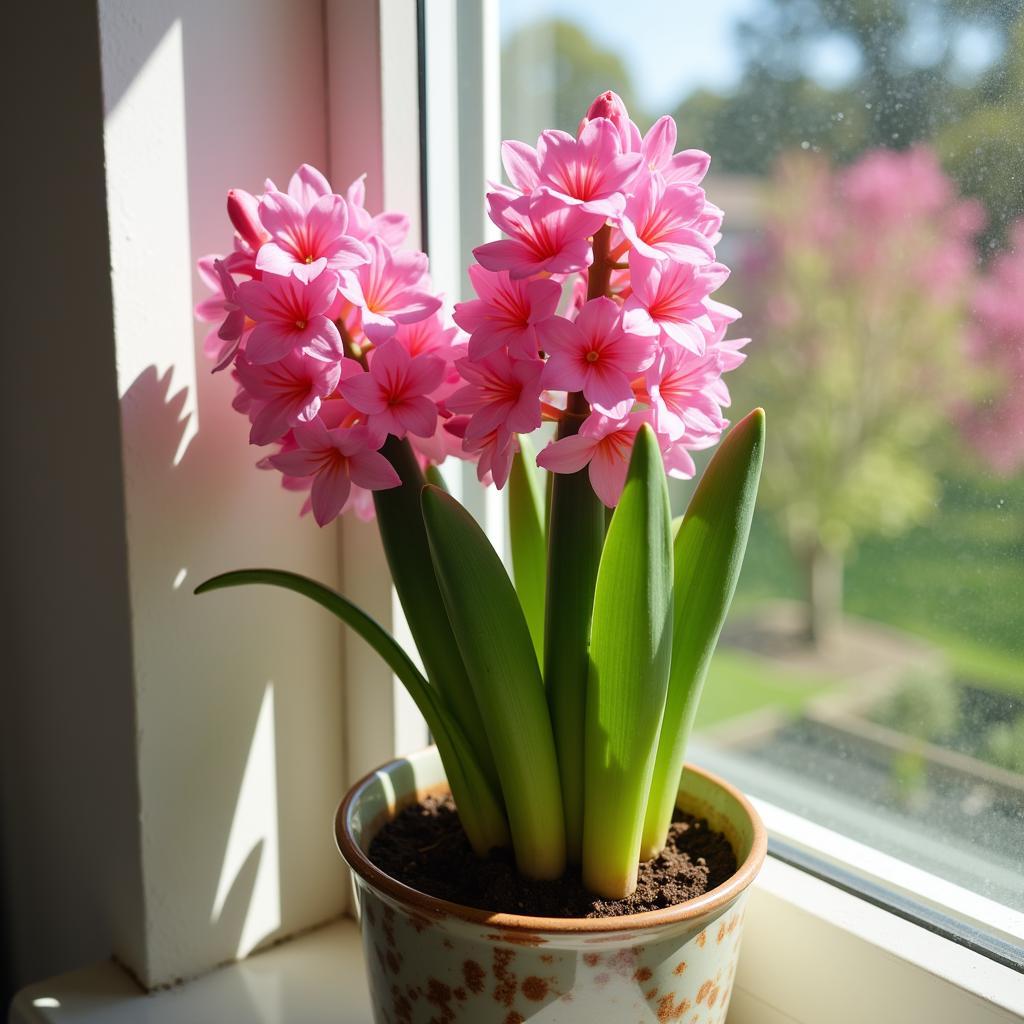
(956, 580)
(738, 683)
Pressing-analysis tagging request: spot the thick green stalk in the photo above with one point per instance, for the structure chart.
(494, 641)
(479, 806)
(575, 539)
(576, 529)
(708, 554)
(405, 544)
(528, 540)
(630, 653)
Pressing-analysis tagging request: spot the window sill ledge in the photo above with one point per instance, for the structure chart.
(812, 953)
(313, 978)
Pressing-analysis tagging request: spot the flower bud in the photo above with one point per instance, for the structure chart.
(243, 209)
(610, 106)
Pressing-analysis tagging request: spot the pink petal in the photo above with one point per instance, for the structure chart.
(521, 164)
(560, 335)
(268, 343)
(307, 185)
(372, 470)
(562, 372)
(365, 394)
(418, 416)
(282, 216)
(607, 387)
(608, 476)
(330, 491)
(321, 340)
(569, 455)
(297, 462)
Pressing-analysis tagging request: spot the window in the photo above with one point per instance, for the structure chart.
(871, 677)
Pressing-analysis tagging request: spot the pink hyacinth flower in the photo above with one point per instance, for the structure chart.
(336, 459)
(492, 452)
(599, 355)
(591, 171)
(288, 392)
(222, 345)
(604, 444)
(290, 314)
(389, 290)
(507, 313)
(393, 392)
(658, 149)
(500, 392)
(683, 393)
(672, 296)
(664, 221)
(433, 336)
(301, 239)
(544, 235)
(392, 228)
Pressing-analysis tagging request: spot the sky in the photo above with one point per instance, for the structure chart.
(672, 47)
(659, 50)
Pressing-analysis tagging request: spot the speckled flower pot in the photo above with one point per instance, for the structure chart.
(433, 961)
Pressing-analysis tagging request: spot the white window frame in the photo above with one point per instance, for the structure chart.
(813, 952)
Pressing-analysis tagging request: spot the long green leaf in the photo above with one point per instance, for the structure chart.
(408, 553)
(630, 652)
(495, 644)
(708, 555)
(576, 531)
(529, 543)
(479, 807)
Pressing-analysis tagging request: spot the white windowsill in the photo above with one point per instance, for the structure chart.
(811, 954)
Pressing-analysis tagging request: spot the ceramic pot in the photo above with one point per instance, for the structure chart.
(429, 960)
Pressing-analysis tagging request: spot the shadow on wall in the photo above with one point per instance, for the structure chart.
(237, 694)
(213, 722)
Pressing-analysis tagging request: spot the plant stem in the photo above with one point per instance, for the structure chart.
(575, 538)
(400, 521)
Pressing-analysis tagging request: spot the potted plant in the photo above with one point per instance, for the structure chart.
(561, 704)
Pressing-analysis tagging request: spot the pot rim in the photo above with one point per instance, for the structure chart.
(715, 899)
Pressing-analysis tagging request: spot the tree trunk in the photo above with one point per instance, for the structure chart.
(824, 581)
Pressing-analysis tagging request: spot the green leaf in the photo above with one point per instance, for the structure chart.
(434, 476)
(479, 807)
(529, 544)
(405, 544)
(630, 652)
(494, 641)
(576, 532)
(708, 555)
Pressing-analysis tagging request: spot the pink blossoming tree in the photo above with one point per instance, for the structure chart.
(858, 290)
(994, 424)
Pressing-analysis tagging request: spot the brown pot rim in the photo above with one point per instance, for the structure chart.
(715, 899)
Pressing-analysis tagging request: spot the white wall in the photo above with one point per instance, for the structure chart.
(171, 764)
(238, 695)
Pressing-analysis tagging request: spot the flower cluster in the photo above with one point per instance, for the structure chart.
(335, 338)
(595, 311)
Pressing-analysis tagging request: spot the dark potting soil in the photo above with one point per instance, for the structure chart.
(426, 848)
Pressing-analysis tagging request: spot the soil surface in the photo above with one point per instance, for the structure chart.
(426, 849)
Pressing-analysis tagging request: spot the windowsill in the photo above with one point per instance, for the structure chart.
(313, 978)
(811, 953)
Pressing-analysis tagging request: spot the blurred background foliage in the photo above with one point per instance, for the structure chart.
(895, 397)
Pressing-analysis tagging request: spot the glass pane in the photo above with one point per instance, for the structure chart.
(869, 161)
